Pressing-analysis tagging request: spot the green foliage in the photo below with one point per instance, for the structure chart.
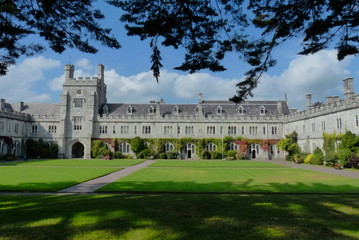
(172, 154)
(137, 145)
(231, 153)
(216, 155)
(350, 141)
(162, 155)
(107, 153)
(318, 157)
(41, 149)
(118, 155)
(344, 155)
(97, 148)
(205, 154)
(290, 145)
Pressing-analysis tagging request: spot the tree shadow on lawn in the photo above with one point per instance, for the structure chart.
(248, 186)
(179, 216)
(37, 187)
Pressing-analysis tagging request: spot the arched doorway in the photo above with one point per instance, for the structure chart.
(253, 154)
(78, 150)
(189, 150)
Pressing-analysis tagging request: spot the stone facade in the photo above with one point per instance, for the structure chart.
(84, 114)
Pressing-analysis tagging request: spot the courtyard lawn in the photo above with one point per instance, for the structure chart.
(180, 216)
(18, 178)
(79, 162)
(215, 163)
(233, 180)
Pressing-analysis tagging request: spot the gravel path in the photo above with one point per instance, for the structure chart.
(94, 184)
(330, 170)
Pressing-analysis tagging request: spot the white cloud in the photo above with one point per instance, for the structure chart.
(320, 74)
(21, 81)
(84, 63)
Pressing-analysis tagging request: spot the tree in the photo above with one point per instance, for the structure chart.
(290, 145)
(208, 29)
(137, 145)
(63, 24)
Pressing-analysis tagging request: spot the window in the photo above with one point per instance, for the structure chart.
(113, 129)
(274, 130)
(176, 110)
(242, 129)
(167, 130)
(78, 123)
(129, 110)
(196, 110)
(152, 110)
(135, 130)
(240, 110)
(219, 110)
(34, 129)
(178, 130)
(232, 130)
(16, 128)
(313, 127)
(264, 130)
(146, 129)
(233, 146)
(189, 130)
(78, 102)
(125, 130)
(211, 147)
(105, 110)
(124, 147)
(262, 110)
(253, 130)
(52, 129)
(1, 126)
(103, 129)
(211, 130)
(323, 126)
(304, 130)
(356, 121)
(169, 146)
(339, 123)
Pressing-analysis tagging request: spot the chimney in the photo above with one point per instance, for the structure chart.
(2, 104)
(279, 107)
(19, 106)
(309, 100)
(100, 70)
(348, 88)
(200, 98)
(69, 71)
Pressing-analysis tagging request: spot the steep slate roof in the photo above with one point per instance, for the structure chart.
(251, 108)
(41, 108)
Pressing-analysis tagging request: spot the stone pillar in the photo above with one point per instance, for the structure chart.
(348, 88)
(309, 100)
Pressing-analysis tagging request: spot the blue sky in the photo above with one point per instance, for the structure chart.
(39, 78)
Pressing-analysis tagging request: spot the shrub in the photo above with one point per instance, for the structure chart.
(354, 161)
(118, 155)
(205, 155)
(172, 154)
(344, 155)
(162, 155)
(127, 156)
(231, 153)
(330, 159)
(308, 158)
(216, 155)
(317, 157)
(107, 153)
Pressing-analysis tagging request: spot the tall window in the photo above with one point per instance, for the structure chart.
(78, 123)
(339, 123)
(264, 130)
(356, 121)
(253, 130)
(103, 129)
(304, 130)
(233, 146)
(113, 129)
(242, 129)
(135, 130)
(167, 130)
(232, 130)
(34, 129)
(78, 102)
(178, 130)
(313, 127)
(211, 130)
(274, 130)
(125, 130)
(323, 126)
(211, 147)
(1, 126)
(16, 128)
(52, 129)
(146, 129)
(168, 146)
(188, 130)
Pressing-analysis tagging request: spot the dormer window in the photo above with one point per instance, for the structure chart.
(105, 109)
(129, 110)
(176, 110)
(196, 110)
(219, 110)
(152, 110)
(240, 110)
(262, 110)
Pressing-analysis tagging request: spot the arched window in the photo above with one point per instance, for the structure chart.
(129, 109)
(168, 146)
(211, 147)
(240, 110)
(124, 147)
(262, 110)
(105, 109)
(233, 146)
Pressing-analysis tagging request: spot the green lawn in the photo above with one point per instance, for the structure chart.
(236, 180)
(79, 162)
(44, 178)
(215, 163)
(180, 216)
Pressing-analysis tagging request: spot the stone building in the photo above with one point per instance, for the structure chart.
(84, 114)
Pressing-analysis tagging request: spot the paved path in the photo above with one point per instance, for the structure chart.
(94, 184)
(330, 170)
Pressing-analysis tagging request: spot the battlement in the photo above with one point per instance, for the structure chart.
(14, 115)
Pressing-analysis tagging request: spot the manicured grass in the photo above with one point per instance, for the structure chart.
(237, 180)
(80, 162)
(18, 178)
(215, 163)
(180, 216)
